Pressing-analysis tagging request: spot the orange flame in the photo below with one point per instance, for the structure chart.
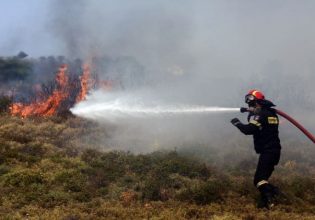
(85, 83)
(50, 105)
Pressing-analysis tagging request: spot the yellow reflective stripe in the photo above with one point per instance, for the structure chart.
(272, 120)
(262, 182)
(255, 123)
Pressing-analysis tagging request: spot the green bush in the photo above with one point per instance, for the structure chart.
(204, 192)
(14, 69)
(5, 103)
(23, 178)
(151, 190)
(304, 188)
(4, 169)
(105, 168)
(53, 198)
(174, 163)
(141, 164)
(72, 180)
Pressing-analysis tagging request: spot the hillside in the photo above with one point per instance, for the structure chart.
(49, 169)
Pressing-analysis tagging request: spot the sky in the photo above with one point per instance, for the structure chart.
(23, 27)
(227, 35)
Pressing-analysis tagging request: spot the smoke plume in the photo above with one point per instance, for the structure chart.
(205, 53)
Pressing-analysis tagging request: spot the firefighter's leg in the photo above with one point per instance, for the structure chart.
(265, 167)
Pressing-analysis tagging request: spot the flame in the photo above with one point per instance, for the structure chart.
(49, 106)
(85, 83)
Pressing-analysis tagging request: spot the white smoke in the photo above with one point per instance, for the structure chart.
(212, 52)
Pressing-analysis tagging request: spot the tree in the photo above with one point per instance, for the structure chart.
(14, 69)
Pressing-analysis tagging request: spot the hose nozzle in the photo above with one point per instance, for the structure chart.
(244, 109)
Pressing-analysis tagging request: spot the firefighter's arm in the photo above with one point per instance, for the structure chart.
(247, 129)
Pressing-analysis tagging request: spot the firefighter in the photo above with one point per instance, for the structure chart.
(263, 124)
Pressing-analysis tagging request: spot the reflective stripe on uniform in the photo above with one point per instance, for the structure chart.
(272, 120)
(262, 182)
(254, 122)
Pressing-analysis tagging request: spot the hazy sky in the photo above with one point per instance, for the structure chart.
(228, 35)
(23, 27)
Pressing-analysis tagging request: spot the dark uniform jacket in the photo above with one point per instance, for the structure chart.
(263, 125)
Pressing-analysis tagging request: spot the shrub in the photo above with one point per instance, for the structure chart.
(204, 192)
(304, 188)
(4, 169)
(5, 103)
(72, 180)
(23, 178)
(105, 168)
(185, 166)
(33, 149)
(53, 198)
(83, 196)
(141, 164)
(14, 69)
(151, 189)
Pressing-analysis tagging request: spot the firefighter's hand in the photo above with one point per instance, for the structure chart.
(235, 121)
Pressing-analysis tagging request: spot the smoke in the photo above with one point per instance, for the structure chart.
(195, 54)
(219, 48)
(187, 53)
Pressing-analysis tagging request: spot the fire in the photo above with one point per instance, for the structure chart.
(63, 96)
(49, 106)
(85, 83)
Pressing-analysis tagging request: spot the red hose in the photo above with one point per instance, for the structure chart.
(298, 125)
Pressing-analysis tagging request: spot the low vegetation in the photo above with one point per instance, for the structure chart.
(50, 170)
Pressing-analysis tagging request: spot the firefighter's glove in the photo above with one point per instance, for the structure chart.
(235, 121)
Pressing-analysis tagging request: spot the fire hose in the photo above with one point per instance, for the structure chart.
(292, 120)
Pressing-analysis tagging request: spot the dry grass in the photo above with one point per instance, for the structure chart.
(99, 209)
(49, 170)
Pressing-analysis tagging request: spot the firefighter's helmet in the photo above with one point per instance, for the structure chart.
(254, 95)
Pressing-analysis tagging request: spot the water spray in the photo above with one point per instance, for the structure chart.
(116, 106)
(290, 119)
(120, 110)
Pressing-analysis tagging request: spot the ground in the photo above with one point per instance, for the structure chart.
(50, 169)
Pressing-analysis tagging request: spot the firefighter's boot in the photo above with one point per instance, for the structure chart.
(268, 193)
